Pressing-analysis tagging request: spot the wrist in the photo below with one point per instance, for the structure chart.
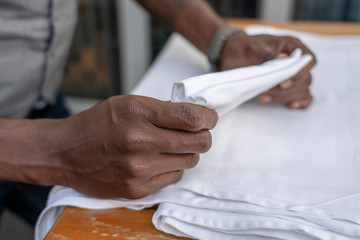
(26, 153)
(217, 44)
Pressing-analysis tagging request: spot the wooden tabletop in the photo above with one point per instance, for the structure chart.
(82, 224)
(320, 27)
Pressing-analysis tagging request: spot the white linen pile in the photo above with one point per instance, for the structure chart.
(272, 173)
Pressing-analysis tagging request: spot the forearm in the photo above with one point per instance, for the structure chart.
(26, 151)
(194, 19)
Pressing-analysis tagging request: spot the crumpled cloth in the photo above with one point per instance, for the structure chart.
(272, 173)
(226, 90)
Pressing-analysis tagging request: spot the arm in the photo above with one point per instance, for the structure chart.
(196, 21)
(26, 151)
(126, 146)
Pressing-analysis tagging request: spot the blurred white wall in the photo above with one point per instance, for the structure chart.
(134, 42)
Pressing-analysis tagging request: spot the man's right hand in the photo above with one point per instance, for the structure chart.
(131, 146)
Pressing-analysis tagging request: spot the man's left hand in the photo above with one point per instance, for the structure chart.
(243, 50)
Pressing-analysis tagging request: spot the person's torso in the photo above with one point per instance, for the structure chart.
(35, 37)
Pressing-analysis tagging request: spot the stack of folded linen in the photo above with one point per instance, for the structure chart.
(272, 173)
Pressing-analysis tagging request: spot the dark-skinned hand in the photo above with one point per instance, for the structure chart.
(243, 50)
(131, 146)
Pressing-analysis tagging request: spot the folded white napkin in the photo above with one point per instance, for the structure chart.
(272, 173)
(223, 91)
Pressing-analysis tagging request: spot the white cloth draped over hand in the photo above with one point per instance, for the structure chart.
(271, 172)
(226, 90)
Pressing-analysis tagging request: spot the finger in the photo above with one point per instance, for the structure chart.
(182, 116)
(289, 44)
(175, 141)
(286, 84)
(146, 166)
(266, 54)
(293, 96)
(162, 180)
(174, 162)
(152, 139)
(305, 72)
(285, 96)
(289, 82)
(137, 188)
(296, 100)
(265, 98)
(281, 55)
(295, 85)
(301, 104)
(302, 77)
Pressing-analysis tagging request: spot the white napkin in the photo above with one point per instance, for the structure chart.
(272, 173)
(223, 91)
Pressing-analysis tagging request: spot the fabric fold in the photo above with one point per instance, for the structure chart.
(272, 173)
(223, 91)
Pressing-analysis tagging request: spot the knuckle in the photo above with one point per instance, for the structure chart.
(130, 141)
(133, 190)
(135, 168)
(133, 140)
(277, 98)
(292, 39)
(297, 41)
(192, 117)
(134, 106)
(293, 42)
(130, 101)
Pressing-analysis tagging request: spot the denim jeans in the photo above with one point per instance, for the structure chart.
(28, 200)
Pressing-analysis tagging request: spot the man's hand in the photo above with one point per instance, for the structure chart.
(197, 22)
(244, 50)
(131, 146)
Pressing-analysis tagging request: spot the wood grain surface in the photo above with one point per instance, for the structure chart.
(320, 27)
(84, 224)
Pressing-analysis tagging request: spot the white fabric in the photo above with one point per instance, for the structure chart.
(272, 173)
(226, 90)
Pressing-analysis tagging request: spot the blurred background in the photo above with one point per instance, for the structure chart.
(116, 41)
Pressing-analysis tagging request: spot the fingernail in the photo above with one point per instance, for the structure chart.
(295, 105)
(265, 98)
(286, 84)
(281, 55)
